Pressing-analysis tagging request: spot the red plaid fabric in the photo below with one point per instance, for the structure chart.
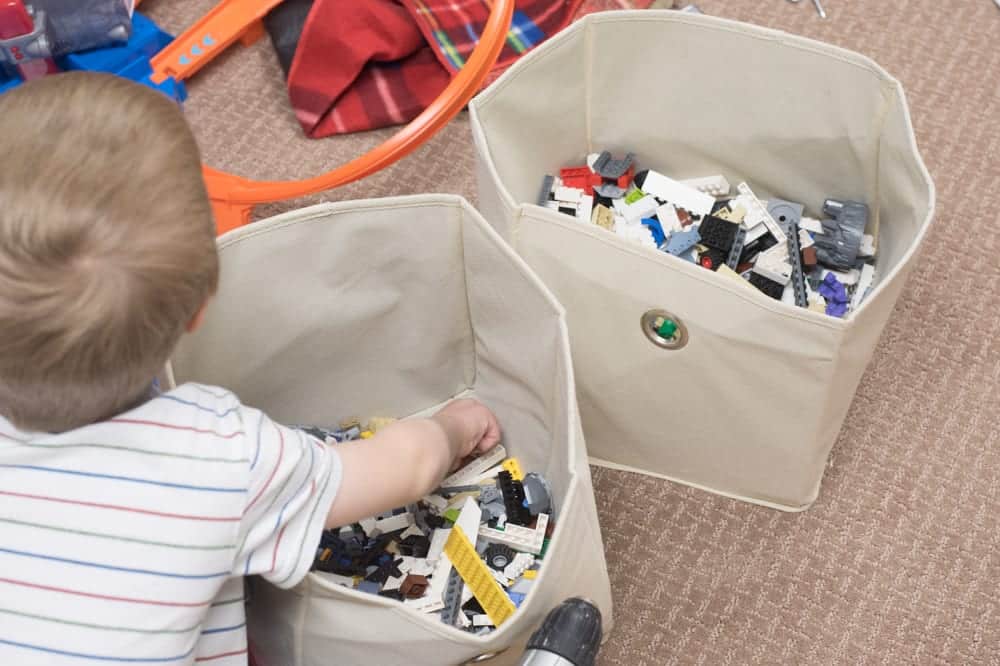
(363, 64)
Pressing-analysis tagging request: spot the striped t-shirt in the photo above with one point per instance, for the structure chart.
(126, 541)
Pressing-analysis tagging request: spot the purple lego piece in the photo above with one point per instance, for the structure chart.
(835, 294)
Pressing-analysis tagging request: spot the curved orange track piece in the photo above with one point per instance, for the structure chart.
(233, 197)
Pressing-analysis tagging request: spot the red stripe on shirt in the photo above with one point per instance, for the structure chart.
(281, 455)
(115, 507)
(171, 426)
(80, 593)
(220, 656)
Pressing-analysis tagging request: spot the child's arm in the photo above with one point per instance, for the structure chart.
(408, 459)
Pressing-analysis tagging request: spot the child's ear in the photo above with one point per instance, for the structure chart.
(198, 317)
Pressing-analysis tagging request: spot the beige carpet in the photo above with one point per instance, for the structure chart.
(898, 562)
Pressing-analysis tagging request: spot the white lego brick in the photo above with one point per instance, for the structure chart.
(336, 579)
(846, 278)
(500, 578)
(489, 474)
(465, 476)
(412, 530)
(644, 207)
(667, 215)
(437, 544)
(393, 582)
(552, 205)
(585, 208)
(469, 519)
(864, 285)
(436, 502)
(398, 522)
(521, 563)
(620, 206)
(805, 240)
(774, 265)
(714, 186)
(482, 620)
(680, 195)
(635, 232)
(368, 525)
(463, 620)
(422, 567)
(810, 224)
(758, 209)
(433, 599)
(570, 195)
(867, 248)
(754, 232)
(788, 295)
(518, 537)
(591, 160)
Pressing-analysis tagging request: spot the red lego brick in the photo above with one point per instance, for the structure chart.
(581, 178)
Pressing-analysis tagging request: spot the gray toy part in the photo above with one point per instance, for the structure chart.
(785, 213)
(840, 242)
(611, 168)
(536, 494)
(610, 190)
(77, 25)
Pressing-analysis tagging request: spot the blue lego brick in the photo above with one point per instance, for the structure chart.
(131, 60)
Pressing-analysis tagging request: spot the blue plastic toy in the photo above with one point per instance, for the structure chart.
(130, 60)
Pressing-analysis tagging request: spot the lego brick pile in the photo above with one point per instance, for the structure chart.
(826, 265)
(468, 552)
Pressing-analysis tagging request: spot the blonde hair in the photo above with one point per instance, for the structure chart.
(107, 246)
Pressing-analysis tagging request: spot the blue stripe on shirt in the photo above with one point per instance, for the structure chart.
(222, 630)
(131, 479)
(98, 657)
(111, 567)
(191, 403)
(302, 486)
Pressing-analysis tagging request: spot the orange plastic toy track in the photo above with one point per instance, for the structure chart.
(215, 32)
(233, 197)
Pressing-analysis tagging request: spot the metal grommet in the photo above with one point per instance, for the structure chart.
(486, 656)
(664, 329)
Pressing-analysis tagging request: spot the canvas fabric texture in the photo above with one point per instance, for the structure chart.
(751, 407)
(436, 306)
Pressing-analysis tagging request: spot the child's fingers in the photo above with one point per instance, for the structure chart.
(491, 437)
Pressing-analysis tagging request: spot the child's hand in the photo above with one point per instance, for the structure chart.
(471, 428)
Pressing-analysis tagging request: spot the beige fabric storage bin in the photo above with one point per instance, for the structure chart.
(392, 307)
(751, 406)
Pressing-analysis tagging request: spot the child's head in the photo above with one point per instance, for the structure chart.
(107, 246)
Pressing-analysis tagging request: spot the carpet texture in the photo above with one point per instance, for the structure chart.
(898, 562)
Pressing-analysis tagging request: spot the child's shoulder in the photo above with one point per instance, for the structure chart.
(188, 416)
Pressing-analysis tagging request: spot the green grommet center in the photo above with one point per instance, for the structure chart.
(667, 328)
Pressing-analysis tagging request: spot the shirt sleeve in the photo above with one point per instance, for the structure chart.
(293, 481)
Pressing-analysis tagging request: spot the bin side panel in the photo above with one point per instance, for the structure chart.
(737, 410)
(345, 292)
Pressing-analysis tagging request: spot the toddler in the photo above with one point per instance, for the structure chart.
(128, 517)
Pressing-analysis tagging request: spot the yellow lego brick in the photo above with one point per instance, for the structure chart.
(367, 434)
(514, 467)
(530, 574)
(477, 576)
